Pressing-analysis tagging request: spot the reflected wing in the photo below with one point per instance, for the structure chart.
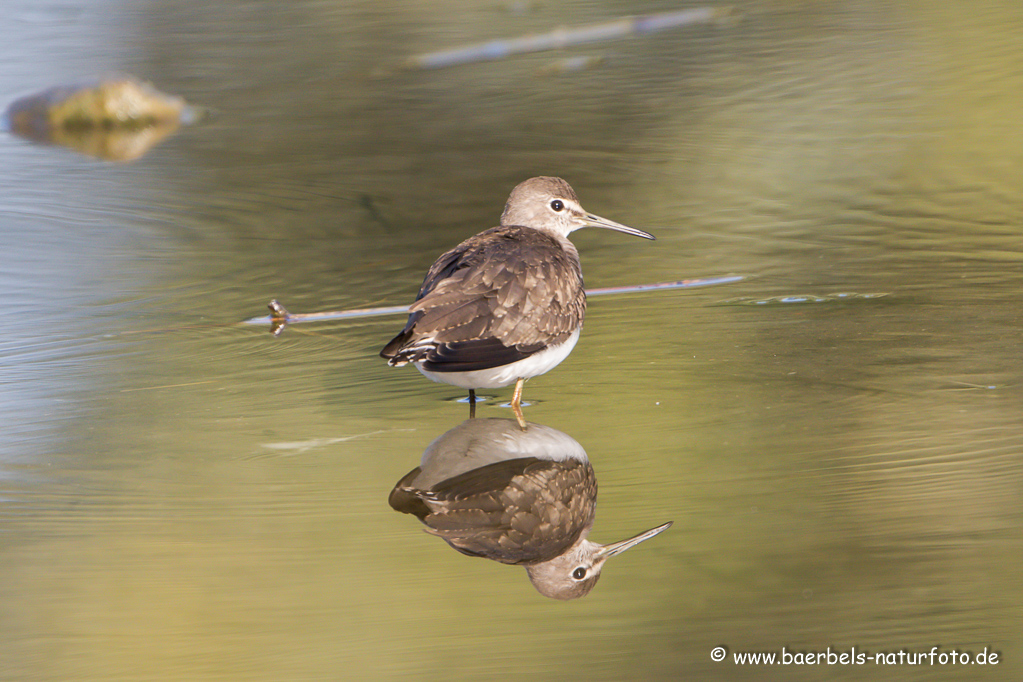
(517, 511)
(406, 499)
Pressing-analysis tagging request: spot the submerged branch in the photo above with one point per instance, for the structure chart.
(280, 317)
(566, 37)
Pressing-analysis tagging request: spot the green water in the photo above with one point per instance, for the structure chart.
(186, 497)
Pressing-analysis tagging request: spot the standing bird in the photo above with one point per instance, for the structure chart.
(507, 304)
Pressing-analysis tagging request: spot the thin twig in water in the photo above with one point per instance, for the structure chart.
(566, 37)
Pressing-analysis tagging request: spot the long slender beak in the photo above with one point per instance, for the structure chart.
(590, 220)
(615, 548)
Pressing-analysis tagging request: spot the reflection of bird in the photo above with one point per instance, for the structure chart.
(508, 303)
(518, 497)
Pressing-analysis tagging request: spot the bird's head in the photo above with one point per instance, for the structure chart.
(550, 204)
(574, 573)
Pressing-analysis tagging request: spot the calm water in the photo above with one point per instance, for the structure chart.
(185, 497)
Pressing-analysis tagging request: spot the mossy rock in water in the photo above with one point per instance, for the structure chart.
(116, 118)
(117, 102)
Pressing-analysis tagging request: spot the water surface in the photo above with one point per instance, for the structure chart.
(186, 497)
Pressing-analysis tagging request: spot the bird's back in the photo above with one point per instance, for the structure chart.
(496, 298)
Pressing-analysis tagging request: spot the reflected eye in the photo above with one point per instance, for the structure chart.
(579, 573)
(557, 205)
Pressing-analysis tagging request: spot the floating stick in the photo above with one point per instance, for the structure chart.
(279, 315)
(566, 37)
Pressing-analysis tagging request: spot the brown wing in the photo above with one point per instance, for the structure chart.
(494, 299)
(517, 511)
(406, 499)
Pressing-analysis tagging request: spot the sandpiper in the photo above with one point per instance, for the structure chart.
(507, 304)
(520, 497)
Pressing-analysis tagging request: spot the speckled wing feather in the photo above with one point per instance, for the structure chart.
(519, 511)
(496, 298)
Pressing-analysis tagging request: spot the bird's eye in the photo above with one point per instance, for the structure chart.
(579, 573)
(557, 205)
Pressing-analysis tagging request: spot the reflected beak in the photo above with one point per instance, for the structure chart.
(590, 220)
(617, 548)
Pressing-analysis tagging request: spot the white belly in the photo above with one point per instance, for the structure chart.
(505, 375)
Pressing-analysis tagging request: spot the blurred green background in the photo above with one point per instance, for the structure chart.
(183, 497)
